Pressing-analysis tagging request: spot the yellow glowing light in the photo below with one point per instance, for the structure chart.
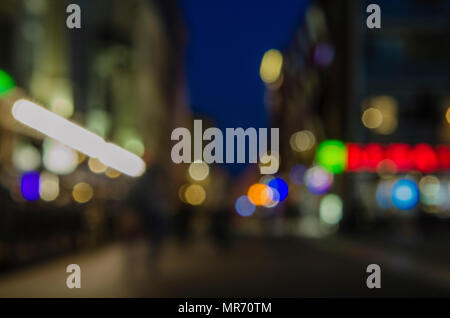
(82, 192)
(182, 192)
(382, 117)
(48, 187)
(96, 165)
(372, 118)
(195, 194)
(112, 173)
(271, 65)
(447, 115)
(260, 194)
(302, 141)
(81, 158)
(198, 170)
(62, 106)
(429, 185)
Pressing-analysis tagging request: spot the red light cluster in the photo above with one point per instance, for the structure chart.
(398, 157)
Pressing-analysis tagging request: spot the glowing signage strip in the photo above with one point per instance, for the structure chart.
(337, 156)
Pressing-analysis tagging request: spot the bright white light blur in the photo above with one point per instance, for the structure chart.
(57, 127)
(59, 158)
(330, 209)
(122, 160)
(78, 138)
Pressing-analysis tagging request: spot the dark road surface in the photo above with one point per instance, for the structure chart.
(253, 267)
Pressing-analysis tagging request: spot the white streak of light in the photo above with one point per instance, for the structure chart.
(122, 160)
(77, 137)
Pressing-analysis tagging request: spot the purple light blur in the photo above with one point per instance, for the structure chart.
(29, 186)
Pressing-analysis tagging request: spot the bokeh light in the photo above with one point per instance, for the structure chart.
(386, 168)
(297, 174)
(62, 104)
(26, 157)
(98, 121)
(271, 65)
(96, 166)
(332, 155)
(112, 173)
(318, 180)
(405, 194)
(331, 209)
(59, 158)
(6, 83)
(29, 186)
(401, 154)
(425, 157)
(244, 207)
(383, 194)
(49, 187)
(198, 170)
(323, 54)
(381, 114)
(195, 194)
(274, 199)
(430, 187)
(135, 145)
(281, 187)
(302, 141)
(82, 192)
(260, 194)
(447, 115)
(130, 140)
(372, 118)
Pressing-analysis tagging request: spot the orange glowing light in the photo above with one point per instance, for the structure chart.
(260, 194)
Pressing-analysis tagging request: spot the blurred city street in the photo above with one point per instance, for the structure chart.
(198, 148)
(253, 267)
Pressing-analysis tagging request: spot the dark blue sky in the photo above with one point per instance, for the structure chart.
(226, 41)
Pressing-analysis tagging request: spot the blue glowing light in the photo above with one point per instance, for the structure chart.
(244, 207)
(405, 194)
(281, 186)
(29, 186)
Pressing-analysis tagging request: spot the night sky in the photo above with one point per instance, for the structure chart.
(226, 41)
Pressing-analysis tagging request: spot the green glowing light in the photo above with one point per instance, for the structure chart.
(6, 83)
(332, 155)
